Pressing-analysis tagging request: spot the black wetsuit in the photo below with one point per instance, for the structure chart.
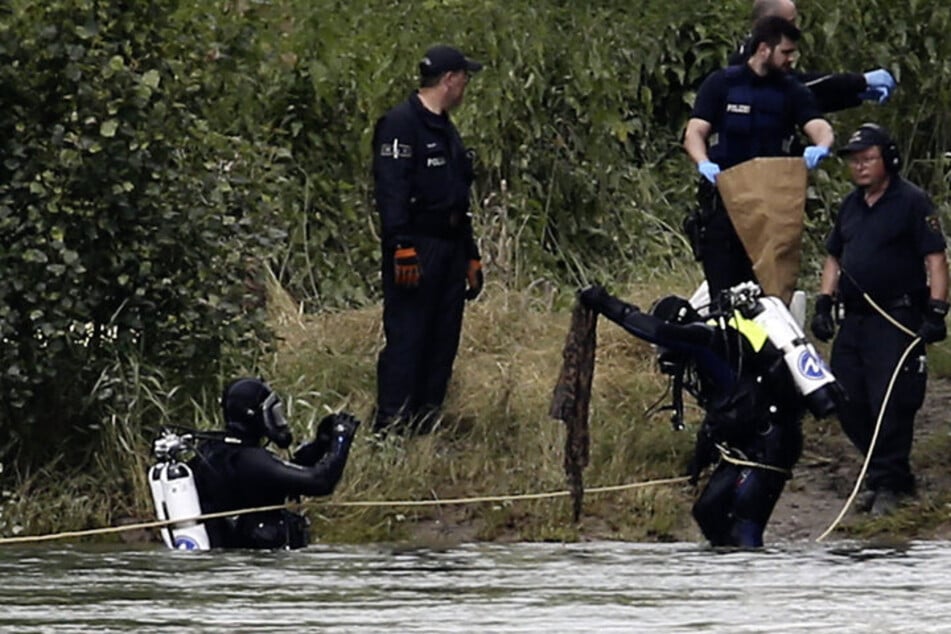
(231, 475)
(753, 415)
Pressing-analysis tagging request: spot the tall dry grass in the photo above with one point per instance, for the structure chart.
(495, 437)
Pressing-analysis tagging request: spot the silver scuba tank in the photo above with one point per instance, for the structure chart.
(176, 497)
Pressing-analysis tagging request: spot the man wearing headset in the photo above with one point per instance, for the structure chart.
(887, 271)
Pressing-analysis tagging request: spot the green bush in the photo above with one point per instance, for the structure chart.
(132, 229)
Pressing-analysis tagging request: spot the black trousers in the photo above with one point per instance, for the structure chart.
(738, 500)
(864, 355)
(721, 253)
(422, 328)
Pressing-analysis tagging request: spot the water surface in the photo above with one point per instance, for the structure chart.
(590, 587)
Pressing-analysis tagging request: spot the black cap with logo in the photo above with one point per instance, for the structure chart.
(866, 136)
(443, 59)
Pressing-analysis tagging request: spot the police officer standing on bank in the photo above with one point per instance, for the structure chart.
(431, 264)
(747, 111)
(886, 267)
(833, 91)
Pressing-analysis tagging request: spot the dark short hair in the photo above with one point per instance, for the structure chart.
(771, 30)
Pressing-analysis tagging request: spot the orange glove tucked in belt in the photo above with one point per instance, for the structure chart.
(407, 270)
(474, 279)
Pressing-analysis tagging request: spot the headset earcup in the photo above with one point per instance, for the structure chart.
(890, 154)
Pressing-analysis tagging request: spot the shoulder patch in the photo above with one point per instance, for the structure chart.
(934, 224)
(396, 150)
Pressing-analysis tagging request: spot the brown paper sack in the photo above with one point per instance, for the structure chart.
(766, 201)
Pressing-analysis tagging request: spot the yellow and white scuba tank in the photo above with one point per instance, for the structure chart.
(811, 375)
(700, 300)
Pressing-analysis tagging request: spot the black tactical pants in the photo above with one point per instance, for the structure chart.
(422, 328)
(864, 355)
(721, 253)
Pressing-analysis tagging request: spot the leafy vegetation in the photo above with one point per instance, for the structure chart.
(159, 159)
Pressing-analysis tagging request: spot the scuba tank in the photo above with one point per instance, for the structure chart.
(175, 495)
(700, 300)
(809, 372)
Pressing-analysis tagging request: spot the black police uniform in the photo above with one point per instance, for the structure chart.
(233, 473)
(752, 409)
(423, 175)
(881, 250)
(752, 117)
(833, 91)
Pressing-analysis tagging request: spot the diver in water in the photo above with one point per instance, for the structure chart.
(233, 471)
(752, 402)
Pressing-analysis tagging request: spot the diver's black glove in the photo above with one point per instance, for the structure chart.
(333, 428)
(933, 329)
(593, 296)
(343, 429)
(599, 300)
(822, 325)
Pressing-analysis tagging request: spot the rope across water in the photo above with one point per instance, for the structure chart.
(346, 504)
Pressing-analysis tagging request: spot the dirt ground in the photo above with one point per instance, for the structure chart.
(827, 472)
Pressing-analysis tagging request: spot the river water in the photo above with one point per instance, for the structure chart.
(589, 587)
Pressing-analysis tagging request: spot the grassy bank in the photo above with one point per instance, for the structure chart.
(496, 438)
(158, 156)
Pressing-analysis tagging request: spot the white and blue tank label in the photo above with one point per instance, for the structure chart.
(811, 366)
(184, 542)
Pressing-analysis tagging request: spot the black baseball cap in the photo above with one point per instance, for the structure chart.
(866, 136)
(443, 59)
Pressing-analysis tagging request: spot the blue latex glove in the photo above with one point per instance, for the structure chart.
(813, 154)
(709, 169)
(879, 85)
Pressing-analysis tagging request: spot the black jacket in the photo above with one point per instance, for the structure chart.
(422, 175)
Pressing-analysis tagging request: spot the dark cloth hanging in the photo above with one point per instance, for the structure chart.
(572, 396)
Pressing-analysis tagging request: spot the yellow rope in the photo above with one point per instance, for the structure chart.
(871, 445)
(209, 516)
(881, 413)
(507, 498)
(889, 318)
(728, 457)
(133, 527)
